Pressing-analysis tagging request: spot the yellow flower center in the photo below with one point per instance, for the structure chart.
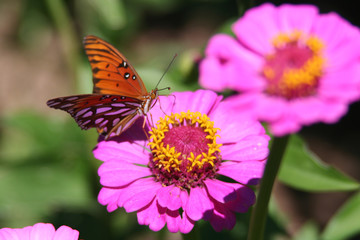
(296, 66)
(184, 149)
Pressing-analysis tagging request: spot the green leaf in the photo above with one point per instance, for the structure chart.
(345, 223)
(303, 170)
(44, 166)
(308, 231)
(28, 193)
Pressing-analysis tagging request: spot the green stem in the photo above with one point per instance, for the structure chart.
(259, 213)
(67, 32)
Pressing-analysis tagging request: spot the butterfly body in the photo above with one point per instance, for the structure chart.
(119, 96)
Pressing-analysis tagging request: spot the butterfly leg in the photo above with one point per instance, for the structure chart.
(173, 103)
(162, 108)
(143, 127)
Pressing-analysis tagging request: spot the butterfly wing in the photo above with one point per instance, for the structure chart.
(112, 73)
(108, 113)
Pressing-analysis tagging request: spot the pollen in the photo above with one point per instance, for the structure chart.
(184, 149)
(295, 67)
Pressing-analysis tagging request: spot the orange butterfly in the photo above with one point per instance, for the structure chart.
(119, 95)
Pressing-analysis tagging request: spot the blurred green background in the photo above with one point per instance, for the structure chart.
(47, 171)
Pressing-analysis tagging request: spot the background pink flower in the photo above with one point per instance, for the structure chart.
(293, 65)
(43, 231)
(180, 193)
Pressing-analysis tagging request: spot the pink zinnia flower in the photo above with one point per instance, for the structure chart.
(39, 231)
(174, 178)
(293, 65)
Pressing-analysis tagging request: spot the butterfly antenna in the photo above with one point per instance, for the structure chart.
(166, 70)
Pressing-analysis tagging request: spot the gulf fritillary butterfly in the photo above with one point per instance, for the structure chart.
(119, 95)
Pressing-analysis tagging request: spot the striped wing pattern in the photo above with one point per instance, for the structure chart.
(109, 113)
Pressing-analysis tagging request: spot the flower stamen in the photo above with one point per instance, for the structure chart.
(184, 149)
(294, 69)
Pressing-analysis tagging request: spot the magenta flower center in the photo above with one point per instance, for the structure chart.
(294, 69)
(184, 150)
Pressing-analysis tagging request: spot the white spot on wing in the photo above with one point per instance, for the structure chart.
(118, 131)
(118, 105)
(103, 123)
(72, 98)
(99, 120)
(120, 111)
(133, 104)
(103, 109)
(88, 121)
(116, 121)
(67, 105)
(81, 112)
(130, 122)
(88, 114)
(53, 103)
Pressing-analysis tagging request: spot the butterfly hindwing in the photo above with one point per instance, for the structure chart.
(107, 113)
(112, 73)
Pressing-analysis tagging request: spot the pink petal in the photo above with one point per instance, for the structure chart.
(11, 234)
(252, 148)
(270, 108)
(220, 191)
(42, 231)
(211, 75)
(152, 215)
(173, 220)
(169, 197)
(199, 204)
(222, 218)
(117, 174)
(66, 233)
(186, 224)
(260, 106)
(109, 197)
(247, 172)
(300, 109)
(110, 150)
(254, 32)
(333, 111)
(184, 196)
(200, 101)
(165, 104)
(229, 116)
(284, 126)
(340, 38)
(245, 198)
(328, 111)
(24, 233)
(344, 91)
(296, 17)
(39, 231)
(139, 194)
(159, 220)
(146, 215)
(226, 62)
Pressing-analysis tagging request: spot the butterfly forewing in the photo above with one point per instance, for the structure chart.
(108, 113)
(112, 73)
